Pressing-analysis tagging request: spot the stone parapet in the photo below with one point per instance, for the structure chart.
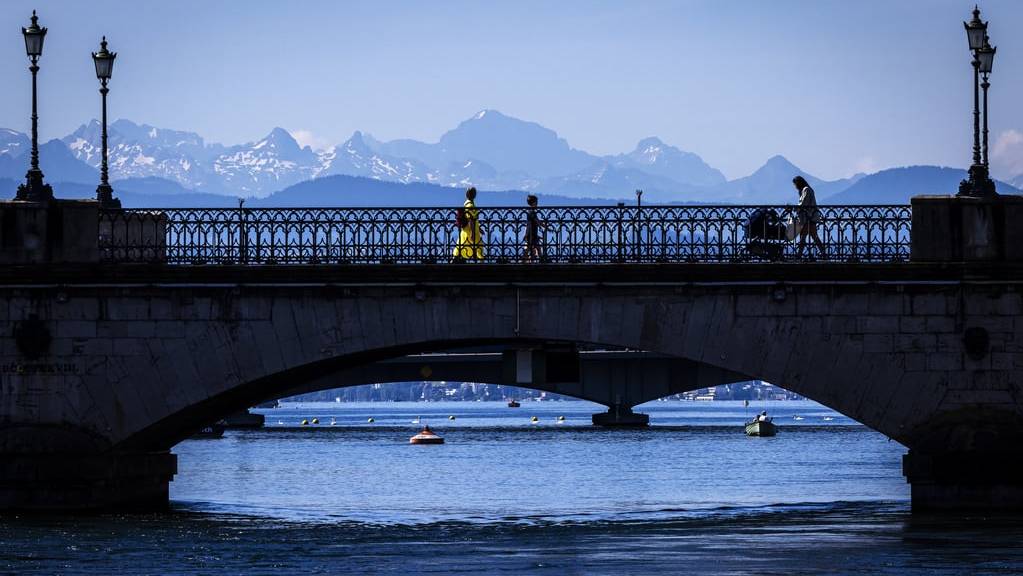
(58, 231)
(966, 229)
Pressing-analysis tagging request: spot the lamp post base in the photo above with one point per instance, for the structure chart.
(105, 197)
(34, 190)
(979, 184)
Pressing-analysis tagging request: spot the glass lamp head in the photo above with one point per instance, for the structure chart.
(986, 57)
(34, 36)
(976, 29)
(104, 61)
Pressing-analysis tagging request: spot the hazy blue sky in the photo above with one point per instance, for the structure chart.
(836, 86)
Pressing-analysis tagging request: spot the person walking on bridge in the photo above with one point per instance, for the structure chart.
(533, 239)
(470, 241)
(807, 216)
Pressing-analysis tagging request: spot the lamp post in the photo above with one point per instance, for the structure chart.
(978, 183)
(986, 57)
(34, 189)
(104, 61)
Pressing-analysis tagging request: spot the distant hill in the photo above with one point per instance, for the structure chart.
(354, 191)
(55, 160)
(772, 184)
(899, 185)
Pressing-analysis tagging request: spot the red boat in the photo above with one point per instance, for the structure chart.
(427, 436)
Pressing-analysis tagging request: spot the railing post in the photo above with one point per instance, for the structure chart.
(639, 224)
(621, 232)
(243, 233)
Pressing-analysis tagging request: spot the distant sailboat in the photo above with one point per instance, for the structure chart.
(417, 420)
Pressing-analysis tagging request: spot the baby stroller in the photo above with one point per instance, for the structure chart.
(765, 234)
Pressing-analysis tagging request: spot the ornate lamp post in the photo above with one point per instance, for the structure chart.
(104, 61)
(978, 184)
(986, 57)
(34, 189)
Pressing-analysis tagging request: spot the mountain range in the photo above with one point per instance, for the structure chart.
(490, 150)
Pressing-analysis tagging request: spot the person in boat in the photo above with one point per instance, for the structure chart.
(533, 240)
(470, 241)
(762, 417)
(807, 216)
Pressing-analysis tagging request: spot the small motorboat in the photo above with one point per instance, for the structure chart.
(426, 436)
(514, 404)
(761, 427)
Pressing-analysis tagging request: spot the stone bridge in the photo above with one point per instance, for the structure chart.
(105, 366)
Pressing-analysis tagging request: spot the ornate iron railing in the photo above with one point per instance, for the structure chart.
(600, 234)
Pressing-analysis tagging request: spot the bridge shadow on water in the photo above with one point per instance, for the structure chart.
(835, 538)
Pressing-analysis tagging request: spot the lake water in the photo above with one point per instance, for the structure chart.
(691, 493)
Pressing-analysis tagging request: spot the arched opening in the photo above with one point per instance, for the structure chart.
(317, 375)
(171, 429)
(501, 465)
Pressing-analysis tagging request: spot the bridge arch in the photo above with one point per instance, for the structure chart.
(259, 343)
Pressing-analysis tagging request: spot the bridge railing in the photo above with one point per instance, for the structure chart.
(599, 234)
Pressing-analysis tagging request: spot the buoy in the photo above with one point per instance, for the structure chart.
(427, 436)
(452, 417)
(305, 422)
(370, 420)
(316, 420)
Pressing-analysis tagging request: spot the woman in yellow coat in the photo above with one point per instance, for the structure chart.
(470, 241)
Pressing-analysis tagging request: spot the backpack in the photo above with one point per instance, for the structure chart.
(461, 220)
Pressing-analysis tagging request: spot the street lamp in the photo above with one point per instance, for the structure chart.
(978, 183)
(986, 57)
(104, 61)
(34, 189)
(976, 29)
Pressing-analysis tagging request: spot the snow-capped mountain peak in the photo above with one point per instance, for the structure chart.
(13, 143)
